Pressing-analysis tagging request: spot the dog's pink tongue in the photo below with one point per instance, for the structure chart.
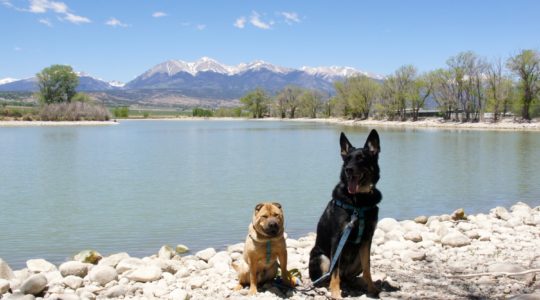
(352, 187)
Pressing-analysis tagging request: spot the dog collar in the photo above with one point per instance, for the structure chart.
(360, 214)
(268, 247)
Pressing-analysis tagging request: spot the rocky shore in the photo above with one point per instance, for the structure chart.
(457, 256)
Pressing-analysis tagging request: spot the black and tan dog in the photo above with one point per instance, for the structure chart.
(354, 194)
(265, 245)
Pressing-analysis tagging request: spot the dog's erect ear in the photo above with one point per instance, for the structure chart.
(258, 207)
(277, 205)
(346, 146)
(372, 143)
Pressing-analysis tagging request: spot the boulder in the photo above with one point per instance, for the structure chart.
(5, 271)
(73, 282)
(166, 252)
(115, 291)
(179, 294)
(129, 263)
(459, 214)
(4, 286)
(113, 260)
(39, 265)
(500, 212)
(34, 285)
(103, 274)
(75, 268)
(206, 254)
(388, 224)
(181, 249)
(144, 274)
(88, 256)
(421, 219)
(455, 239)
(414, 236)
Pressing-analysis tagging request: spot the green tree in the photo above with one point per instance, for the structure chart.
(256, 102)
(121, 112)
(398, 88)
(446, 92)
(288, 99)
(500, 89)
(311, 101)
(526, 65)
(422, 89)
(356, 95)
(57, 84)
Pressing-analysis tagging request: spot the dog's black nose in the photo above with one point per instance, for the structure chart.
(348, 170)
(273, 225)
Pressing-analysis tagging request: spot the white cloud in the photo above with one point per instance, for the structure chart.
(45, 22)
(114, 22)
(76, 19)
(45, 6)
(200, 26)
(159, 14)
(17, 48)
(240, 22)
(255, 20)
(290, 17)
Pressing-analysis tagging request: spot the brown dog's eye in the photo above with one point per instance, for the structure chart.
(264, 216)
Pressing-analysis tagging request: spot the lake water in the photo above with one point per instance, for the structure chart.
(142, 184)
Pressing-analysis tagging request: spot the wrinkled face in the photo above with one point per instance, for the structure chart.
(268, 219)
(360, 169)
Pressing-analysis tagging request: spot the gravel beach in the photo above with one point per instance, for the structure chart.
(456, 256)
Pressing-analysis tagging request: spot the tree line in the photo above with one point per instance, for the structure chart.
(467, 88)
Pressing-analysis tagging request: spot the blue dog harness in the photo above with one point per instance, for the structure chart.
(360, 215)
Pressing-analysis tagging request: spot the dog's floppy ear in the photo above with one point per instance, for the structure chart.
(258, 207)
(372, 143)
(346, 146)
(277, 205)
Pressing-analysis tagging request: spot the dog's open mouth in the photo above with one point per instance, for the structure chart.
(355, 185)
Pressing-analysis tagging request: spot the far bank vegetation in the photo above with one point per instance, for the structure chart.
(59, 100)
(469, 89)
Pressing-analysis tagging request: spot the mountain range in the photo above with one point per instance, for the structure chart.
(207, 78)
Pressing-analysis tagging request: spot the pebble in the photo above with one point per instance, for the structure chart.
(39, 265)
(75, 268)
(102, 274)
(455, 239)
(206, 254)
(144, 274)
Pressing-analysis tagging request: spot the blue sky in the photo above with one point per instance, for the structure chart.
(120, 39)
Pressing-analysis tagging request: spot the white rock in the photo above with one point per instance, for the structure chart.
(500, 213)
(472, 234)
(421, 219)
(74, 268)
(394, 235)
(455, 239)
(197, 282)
(54, 277)
(514, 222)
(144, 274)
(5, 271)
(39, 265)
(413, 255)
(414, 236)
(166, 252)
(206, 254)
(178, 294)
(34, 285)
(388, 224)
(4, 286)
(113, 260)
(220, 257)
(238, 248)
(102, 274)
(129, 263)
(115, 291)
(73, 282)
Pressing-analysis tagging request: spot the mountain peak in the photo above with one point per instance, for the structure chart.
(7, 80)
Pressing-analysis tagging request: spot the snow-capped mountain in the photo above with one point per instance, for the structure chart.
(210, 79)
(7, 80)
(207, 77)
(86, 83)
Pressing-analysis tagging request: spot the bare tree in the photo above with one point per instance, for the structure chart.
(499, 90)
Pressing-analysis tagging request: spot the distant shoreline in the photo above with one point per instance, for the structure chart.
(428, 123)
(55, 123)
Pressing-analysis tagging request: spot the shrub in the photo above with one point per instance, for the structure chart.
(121, 112)
(74, 111)
(201, 112)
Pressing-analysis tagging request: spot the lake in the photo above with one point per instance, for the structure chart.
(141, 184)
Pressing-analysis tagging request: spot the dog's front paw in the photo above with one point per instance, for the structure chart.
(252, 290)
(373, 291)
